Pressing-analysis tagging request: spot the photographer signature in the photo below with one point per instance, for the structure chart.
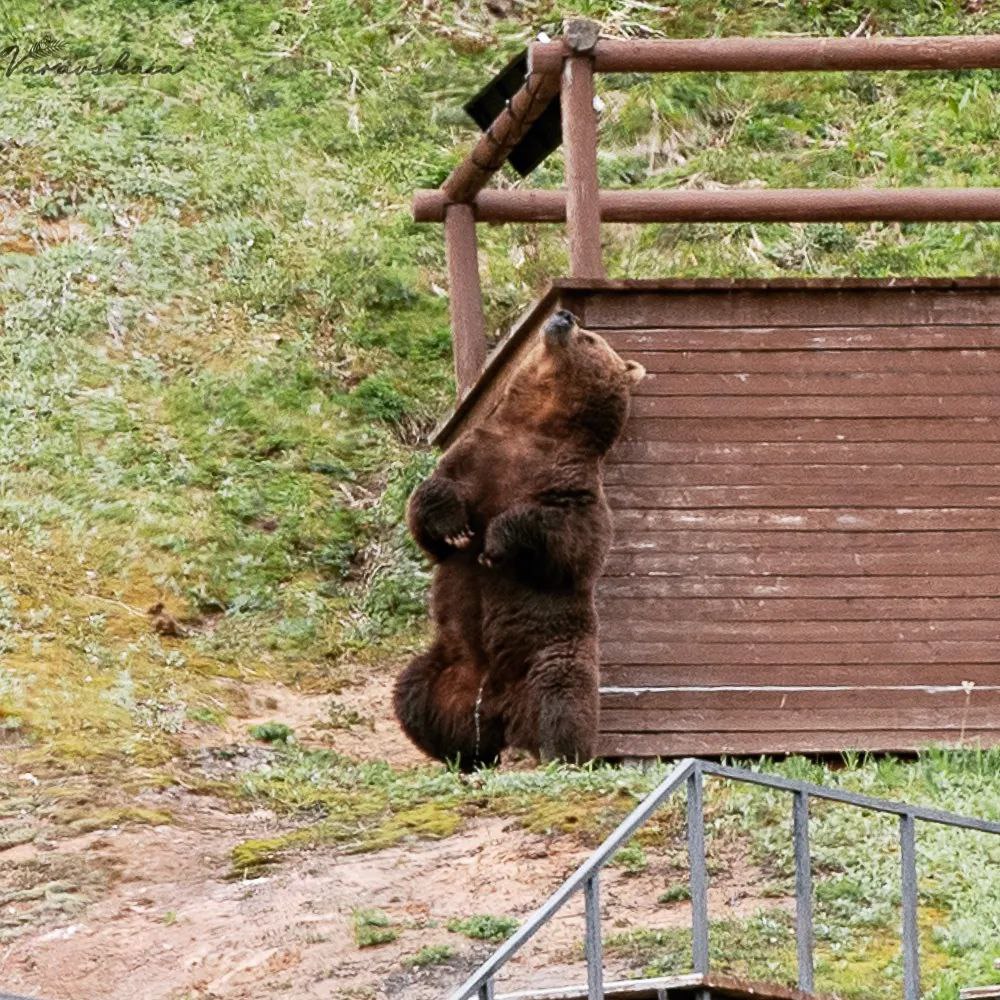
(45, 56)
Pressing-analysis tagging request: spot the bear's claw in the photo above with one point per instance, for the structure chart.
(461, 540)
(485, 560)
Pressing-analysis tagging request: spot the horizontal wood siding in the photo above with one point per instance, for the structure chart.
(807, 520)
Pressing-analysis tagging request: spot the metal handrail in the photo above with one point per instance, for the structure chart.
(690, 772)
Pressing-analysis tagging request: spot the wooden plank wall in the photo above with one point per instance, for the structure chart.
(807, 514)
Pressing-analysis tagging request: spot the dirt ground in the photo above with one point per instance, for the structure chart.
(143, 912)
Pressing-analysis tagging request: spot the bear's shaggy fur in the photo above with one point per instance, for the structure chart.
(515, 518)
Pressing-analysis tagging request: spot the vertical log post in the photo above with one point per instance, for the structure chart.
(579, 123)
(468, 323)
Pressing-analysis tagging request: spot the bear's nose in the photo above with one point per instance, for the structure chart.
(562, 321)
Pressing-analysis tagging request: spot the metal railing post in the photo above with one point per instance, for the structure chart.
(803, 890)
(911, 931)
(699, 871)
(486, 990)
(592, 941)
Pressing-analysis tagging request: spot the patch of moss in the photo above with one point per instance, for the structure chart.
(432, 820)
(588, 817)
(85, 821)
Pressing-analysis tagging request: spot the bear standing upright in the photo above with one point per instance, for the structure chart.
(516, 521)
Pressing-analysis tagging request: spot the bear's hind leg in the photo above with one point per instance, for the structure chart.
(564, 684)
(436, 704)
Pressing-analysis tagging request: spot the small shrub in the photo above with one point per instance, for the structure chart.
(674, 894)
(372, 928)
(272, 732)
(632, 858)
(431, 954)
(484, 927)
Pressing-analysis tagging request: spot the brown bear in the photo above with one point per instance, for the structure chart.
(515, 518)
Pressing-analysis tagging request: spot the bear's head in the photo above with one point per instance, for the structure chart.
(572, 385)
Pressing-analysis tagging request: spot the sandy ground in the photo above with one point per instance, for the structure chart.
(148, 912)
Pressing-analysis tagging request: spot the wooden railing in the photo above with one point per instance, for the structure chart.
(567, 66)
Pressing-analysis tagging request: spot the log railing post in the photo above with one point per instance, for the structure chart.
(468, 323)
(579, 123)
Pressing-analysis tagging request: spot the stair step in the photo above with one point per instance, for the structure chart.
(690, 987)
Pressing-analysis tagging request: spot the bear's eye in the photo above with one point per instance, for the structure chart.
(588, 338)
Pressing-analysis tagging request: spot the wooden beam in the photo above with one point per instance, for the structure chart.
(468, 324)
(779, 54)
(579, 123)
(510, 126)
(735, 205)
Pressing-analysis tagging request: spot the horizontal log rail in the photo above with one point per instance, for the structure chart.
(732, 205)
(564, 69)
(777, 55)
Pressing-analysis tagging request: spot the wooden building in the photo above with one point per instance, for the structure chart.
(807, 496)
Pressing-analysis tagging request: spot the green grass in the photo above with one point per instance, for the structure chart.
(223, 339)
(373, 928)
(430, 954)
(222, 342)
(484, 927)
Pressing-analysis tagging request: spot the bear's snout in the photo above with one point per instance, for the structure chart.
(561, 323)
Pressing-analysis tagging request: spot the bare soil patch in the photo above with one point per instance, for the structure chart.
(143, 912)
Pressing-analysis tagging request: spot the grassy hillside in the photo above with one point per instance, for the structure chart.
(223, 341)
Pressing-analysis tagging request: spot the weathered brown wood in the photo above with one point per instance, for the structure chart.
(731, 679)
(951, 721)
(724, 337)
(801, 586)
(791, 700)
(655, 432)
(740, 610)
(492, 149)
(711, 55)
(691, 205)
(857, 362)
(659, 447)
(761, 474)
(807, 406)
(763, 312)
(717, 743)
(468, 324)
(953, 561)
(783, 54)
(653, 628)
(790, 542)
(809, 519)
(806, 498)
(582, 200)
(687, 987)
(798, 496)
(795, 384)
(804, 653)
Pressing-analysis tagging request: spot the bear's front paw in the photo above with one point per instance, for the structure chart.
(461, 539)
(487, 560)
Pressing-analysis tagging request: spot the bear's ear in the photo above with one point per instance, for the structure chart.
(558, 329)
(634, 372)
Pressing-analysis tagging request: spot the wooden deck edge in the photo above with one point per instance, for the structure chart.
(559, 288)
(729, 987)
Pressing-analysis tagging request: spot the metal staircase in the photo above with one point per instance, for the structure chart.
(701, 985)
